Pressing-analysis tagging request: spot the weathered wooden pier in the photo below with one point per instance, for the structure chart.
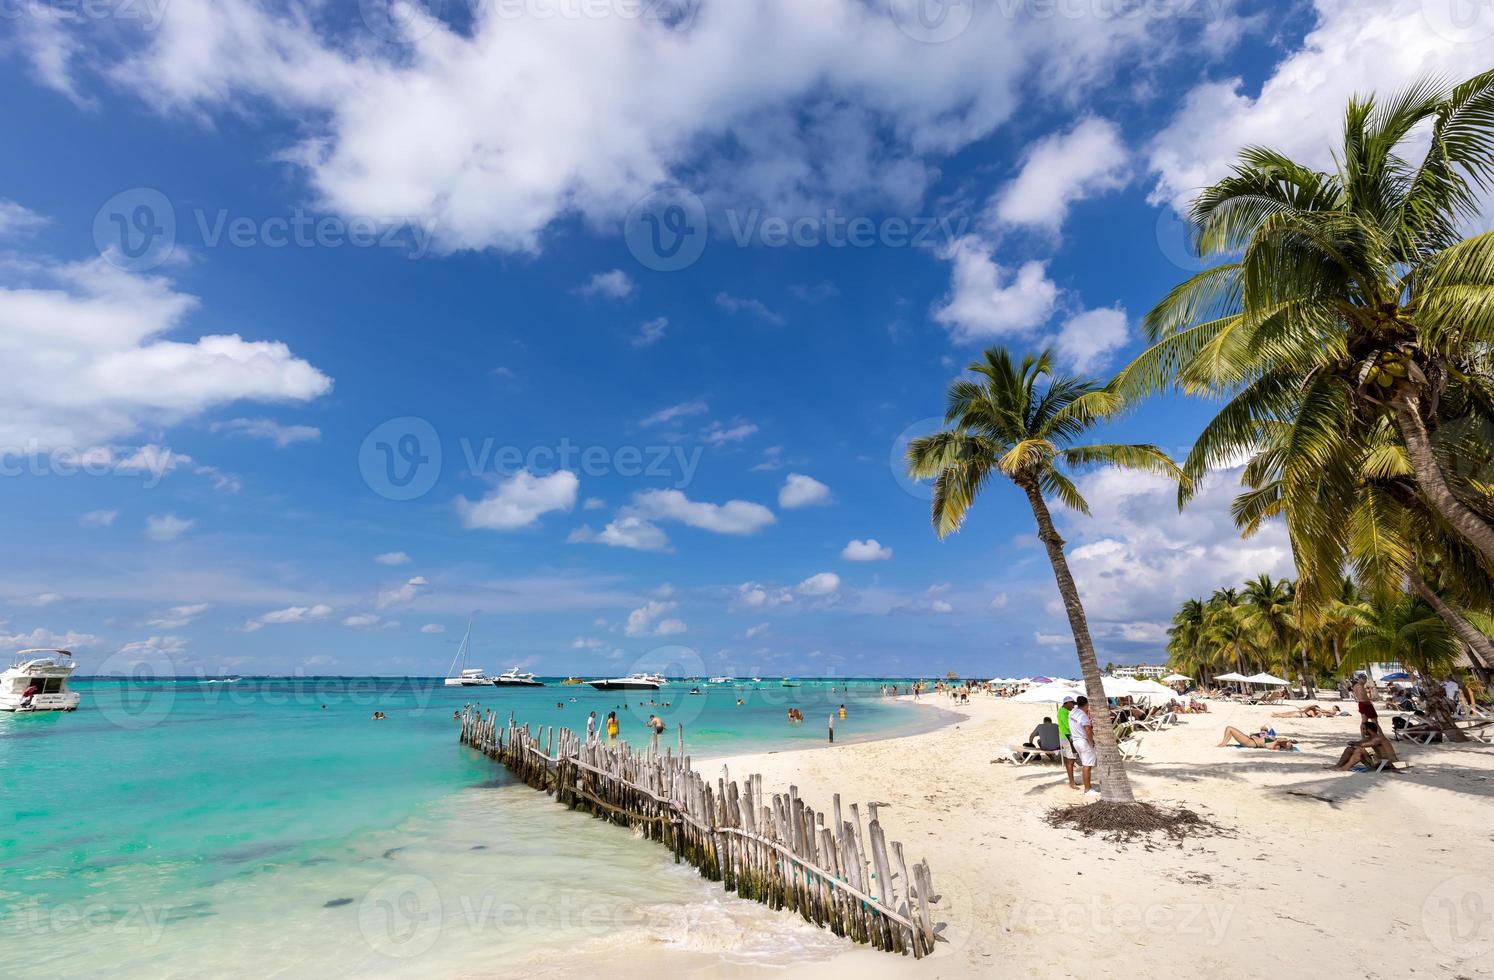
(777, 851)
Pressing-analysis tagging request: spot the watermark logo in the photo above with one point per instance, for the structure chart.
(401, 458)
(1460, 21)
(1175, 237)
(933, 21)
(136, 229)
(1458, 916)
(667, 229)
(401, 916)
(146, 689)
(897, 457)
(401, 21)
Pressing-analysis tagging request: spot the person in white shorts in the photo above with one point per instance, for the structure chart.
(1081, 731)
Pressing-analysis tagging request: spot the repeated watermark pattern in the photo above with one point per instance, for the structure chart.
(1458, 916)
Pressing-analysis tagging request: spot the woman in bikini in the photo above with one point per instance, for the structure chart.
(1262, 739)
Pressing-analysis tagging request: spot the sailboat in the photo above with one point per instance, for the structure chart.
(470, 676)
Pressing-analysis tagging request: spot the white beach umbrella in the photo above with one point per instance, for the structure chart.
(1047, 694)
(1231, 676)
(1153, 690)
(1174, 678)
(1264, 678)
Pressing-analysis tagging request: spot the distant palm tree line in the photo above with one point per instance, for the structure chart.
(1347, 326)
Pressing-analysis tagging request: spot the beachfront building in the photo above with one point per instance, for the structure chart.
(1141, 670)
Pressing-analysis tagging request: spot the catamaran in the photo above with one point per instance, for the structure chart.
(512, 678)
(633, 682)
(470, 676)
(39, 683)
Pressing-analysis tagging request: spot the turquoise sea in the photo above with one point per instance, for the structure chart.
(270, 826)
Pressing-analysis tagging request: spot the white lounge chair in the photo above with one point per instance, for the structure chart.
(1130, 749)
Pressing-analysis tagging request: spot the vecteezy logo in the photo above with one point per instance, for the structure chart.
(401, 916)
(1175, 239)
(135, 229)
(897, 457)
(666, 230)
(1458, 916)
(400, 21)
(1460, 21)
(933, 21)
(401, 458)
(145, 690)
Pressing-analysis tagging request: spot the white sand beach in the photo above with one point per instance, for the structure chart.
(1319, 873)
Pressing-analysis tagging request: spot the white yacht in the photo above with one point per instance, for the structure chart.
(470, 676)
(722, 680)
(37, 681)
(633, 682)
(512, 678)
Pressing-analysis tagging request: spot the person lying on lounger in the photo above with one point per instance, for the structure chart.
(1262, 739)
(1368, 750)
(1310, 711)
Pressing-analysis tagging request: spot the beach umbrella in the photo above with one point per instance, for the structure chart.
(1046, 694)
(1264, 678)
(1231, 676)
(1174, 678)
(1399, 675)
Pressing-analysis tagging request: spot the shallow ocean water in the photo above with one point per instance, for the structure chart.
(269, 826)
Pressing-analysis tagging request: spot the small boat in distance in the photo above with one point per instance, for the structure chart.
(470, 676)
(39, 683)
(512, 678)
(722, 680)
(571, 682)
(633, 682)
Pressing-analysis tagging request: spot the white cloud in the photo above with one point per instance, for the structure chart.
(651, 332)
(588, 643)
(411, 590)
(988, 300)
(392, 558)
(86, 362)
(1087, 341)
(290, 614)
(520, 501)
(624, 532)
(799, 490)
(670, 627)
(45, 639)
(673, 412)
(1059, 170)
(178, 616)
(98, 518)
(362, 621)
(1138, 558)
(732, 517)
(717, 435)
(269, 430)
(1053, 639)
(41, 599)
(594, 503)
(999, 601)
(868, 550)
(755, 596)
(757, 630)
(772, 460)
(615, 284)
(1355, 48)
(15, 218)
(641, 620)
(433, 628)
(759, 309)
(821, 584)
(166, 527)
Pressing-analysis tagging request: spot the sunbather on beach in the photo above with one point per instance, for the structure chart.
(1371, 747)
(1310, 711)
(1262, 739)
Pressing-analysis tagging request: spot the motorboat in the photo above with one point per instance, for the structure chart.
(722, 680)
(513, 678)
(37, 681)
(469, 676)
(633, 682)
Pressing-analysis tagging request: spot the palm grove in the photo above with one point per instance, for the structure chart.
(1344, 326)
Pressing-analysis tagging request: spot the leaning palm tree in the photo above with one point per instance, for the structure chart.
(1350, 300)
(1021, 423)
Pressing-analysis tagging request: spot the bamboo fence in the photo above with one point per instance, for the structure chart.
(777, 851)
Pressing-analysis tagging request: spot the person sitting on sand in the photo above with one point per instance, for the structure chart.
(1262, 739)
(1369, 749)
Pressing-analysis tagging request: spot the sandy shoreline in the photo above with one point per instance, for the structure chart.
(1336, 874)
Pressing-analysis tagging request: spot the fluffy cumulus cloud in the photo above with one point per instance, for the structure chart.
(403, 594)
(433, 629)
(290, 614)
(624, 532)
(167, 527)
(1138, 558)
(732, 517)
(645, 621)
(40, 638)
(821, 584)
(799, 490)
(520, 501)
(1354, 48)
(1088, 341)
(753, 595)
(868, 550)
(491, 127)
(988, 300)
(88, 360)
(1059, 170)
(615, 284)
(392, 558)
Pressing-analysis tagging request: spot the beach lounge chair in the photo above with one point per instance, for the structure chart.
(1130, 749)
(1021, 754)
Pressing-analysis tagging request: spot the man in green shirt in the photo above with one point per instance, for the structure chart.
(1066, 747)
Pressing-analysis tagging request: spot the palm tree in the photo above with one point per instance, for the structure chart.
(1186, 652)
(1408, 631)
(1021, 423)
(1226, 628)
(1354, 302)
(1270, 610)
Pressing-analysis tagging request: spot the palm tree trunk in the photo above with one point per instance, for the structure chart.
(1115, 786)
(1413, 429)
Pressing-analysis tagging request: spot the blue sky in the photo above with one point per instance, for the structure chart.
(199, 436)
